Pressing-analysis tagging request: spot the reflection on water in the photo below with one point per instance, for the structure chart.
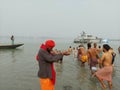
(13, 56)
(17, 70)
(14, 53)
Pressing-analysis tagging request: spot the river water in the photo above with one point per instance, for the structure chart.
(18, 69)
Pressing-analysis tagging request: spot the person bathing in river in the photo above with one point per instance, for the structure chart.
(105, 73)
(82, 55)
(93, 58)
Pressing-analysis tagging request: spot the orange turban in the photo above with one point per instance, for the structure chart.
(50, 43)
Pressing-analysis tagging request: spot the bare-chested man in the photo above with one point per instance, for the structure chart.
(82, 55)
(93, 58)
(95, 47)
(105, 73)
(70, 49)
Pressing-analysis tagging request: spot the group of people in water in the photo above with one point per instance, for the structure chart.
(100, 61)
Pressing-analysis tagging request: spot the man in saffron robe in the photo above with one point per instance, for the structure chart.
(45, 59)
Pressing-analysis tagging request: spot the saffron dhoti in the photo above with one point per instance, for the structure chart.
(46, 84)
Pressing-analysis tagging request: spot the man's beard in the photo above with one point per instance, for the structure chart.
(49, 50)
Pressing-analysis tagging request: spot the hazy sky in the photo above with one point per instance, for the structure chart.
(60, 18)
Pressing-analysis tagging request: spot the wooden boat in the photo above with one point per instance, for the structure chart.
(10, 46)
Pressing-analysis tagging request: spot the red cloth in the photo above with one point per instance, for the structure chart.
(105, 73)
(53, 74)
(37, 57)
(50, 43)
(43, 47)
(52, 65)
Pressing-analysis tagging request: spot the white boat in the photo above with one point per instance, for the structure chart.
(87, 38)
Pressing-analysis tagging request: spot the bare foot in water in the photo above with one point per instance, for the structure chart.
(104, 86)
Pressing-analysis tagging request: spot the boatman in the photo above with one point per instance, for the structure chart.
(12, 39)
(46, 71)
